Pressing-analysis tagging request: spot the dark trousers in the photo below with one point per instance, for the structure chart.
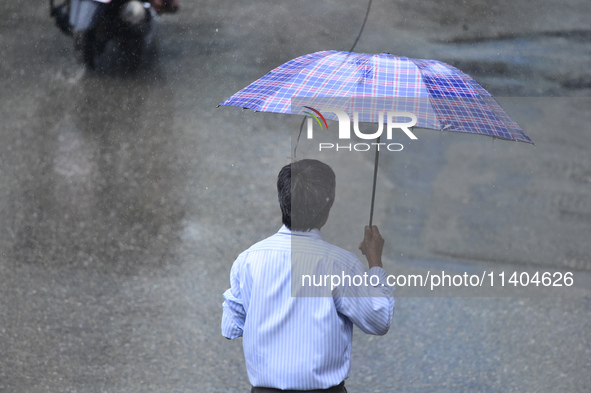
(340, 388)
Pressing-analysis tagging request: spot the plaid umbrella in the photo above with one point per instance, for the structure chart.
(441, 96)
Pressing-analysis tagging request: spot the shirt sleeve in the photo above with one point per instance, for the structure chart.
(233, 315)
(367, 300)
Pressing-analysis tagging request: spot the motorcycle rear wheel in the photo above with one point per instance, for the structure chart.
(110, 54)
(93, 49)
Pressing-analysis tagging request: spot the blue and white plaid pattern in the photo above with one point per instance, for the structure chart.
(441, 96)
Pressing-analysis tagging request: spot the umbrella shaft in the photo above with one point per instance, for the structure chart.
(375, 176)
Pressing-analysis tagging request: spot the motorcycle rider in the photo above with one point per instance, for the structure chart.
(61, 12)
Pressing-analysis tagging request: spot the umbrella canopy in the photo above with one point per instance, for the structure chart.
(441, 96)
(438, 95)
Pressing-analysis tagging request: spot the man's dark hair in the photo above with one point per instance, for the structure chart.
(306, 191)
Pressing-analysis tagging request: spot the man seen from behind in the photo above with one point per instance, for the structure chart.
(296, 328)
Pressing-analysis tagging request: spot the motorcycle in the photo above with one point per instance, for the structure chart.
(108, 31)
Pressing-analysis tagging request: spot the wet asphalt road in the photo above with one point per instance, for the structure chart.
(125, 199)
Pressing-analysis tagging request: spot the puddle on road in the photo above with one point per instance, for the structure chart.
(556, 62)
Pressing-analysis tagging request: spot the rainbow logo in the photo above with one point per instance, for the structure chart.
(316, 117)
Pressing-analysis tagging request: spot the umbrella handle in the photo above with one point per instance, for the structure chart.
(375, 176)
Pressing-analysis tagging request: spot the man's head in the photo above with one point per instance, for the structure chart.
(306, 191)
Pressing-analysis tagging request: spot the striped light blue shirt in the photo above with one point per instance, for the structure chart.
(297, 331)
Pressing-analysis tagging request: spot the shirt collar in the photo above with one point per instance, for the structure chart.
(312, 233)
